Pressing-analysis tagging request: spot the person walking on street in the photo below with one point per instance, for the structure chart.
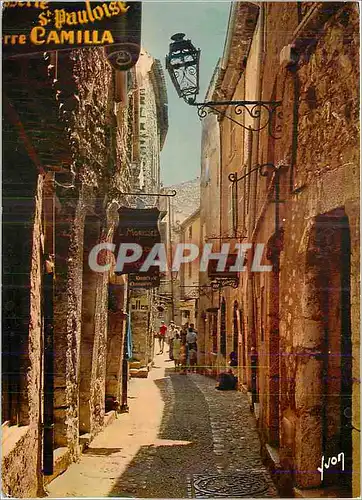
(191, 338)
(161, 336)
(171, 332)
(184, 330)
(192, 359)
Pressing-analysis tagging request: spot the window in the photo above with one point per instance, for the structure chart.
(142, 97)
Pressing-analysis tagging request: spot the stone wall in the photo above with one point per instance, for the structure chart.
(280, 312)
(22, 338)
(323, 160)
(88, 156)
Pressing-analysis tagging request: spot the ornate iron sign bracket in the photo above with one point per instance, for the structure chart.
(264, 170)
(266, 111)
(220, 283)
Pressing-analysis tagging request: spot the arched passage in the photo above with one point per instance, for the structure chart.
(235, 329)
(324, 405)
(243, 348)
(273, 338)
(223, 328)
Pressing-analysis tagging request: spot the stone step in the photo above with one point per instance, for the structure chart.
(141, 373)
(84, 440)
(135, 365)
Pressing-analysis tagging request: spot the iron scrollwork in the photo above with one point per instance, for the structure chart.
(220, 283)
(269, 113)
(263, 169)
(187, 78)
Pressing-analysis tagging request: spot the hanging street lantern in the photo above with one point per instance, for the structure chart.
(183, 64)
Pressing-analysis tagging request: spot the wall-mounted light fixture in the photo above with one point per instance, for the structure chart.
(183, 65)
(264, 170)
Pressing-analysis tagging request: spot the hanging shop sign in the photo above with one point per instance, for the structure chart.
(226, 273)
(139, 226)
(144, 280)
(32, 28)
(182, 305)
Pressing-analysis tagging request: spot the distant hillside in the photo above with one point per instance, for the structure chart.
(186, 201)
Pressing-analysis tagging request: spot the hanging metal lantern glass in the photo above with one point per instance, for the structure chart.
(182, 63)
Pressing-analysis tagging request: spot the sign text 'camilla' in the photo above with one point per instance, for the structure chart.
(30, 28)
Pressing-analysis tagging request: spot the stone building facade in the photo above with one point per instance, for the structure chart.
(295, 326)
(210, 230)
(189, 271)
(67, 131)
(149, 134)
(178, 208)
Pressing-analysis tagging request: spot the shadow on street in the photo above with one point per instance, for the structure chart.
(164, 470)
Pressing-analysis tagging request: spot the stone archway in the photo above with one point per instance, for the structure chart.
(223, 328)
(275, 245)
(235, 345)
(323, 390)
(243, 347)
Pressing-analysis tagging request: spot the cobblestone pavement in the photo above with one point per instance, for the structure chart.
(181, 439)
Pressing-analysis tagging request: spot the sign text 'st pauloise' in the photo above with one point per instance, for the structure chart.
(32, 28)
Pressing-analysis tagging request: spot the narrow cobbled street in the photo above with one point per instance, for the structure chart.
(181, 439)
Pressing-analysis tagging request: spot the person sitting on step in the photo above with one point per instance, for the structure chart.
(227, 381)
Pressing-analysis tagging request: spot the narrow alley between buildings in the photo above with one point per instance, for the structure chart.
(189, 176)
(180, 439)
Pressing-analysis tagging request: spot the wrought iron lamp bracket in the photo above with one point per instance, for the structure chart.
(267, 111)
(263, 169)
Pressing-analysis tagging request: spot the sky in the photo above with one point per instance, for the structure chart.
(205, 23)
